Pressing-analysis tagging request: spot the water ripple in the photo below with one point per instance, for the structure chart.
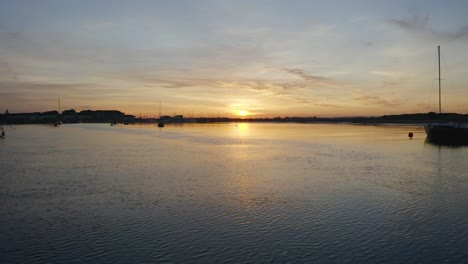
(211, 194)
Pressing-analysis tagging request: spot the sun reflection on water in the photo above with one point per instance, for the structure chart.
(243, 129)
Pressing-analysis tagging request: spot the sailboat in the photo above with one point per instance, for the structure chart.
(160, 122)
(448, 132)
(58, 121)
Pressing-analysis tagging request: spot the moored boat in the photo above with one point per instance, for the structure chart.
(160, 121)
(449, 132)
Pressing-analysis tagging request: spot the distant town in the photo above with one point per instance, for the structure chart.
(115, 116)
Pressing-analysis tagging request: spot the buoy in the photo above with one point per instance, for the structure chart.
(410, 134)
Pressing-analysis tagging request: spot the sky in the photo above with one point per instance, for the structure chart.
(229, 58)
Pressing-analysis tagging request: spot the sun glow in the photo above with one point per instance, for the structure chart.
(242, 113)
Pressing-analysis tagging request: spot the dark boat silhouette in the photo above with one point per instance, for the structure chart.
(446, 132)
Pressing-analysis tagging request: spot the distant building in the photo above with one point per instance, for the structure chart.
(128, 119)
(172, 119)
(101, 116)
(178, 119)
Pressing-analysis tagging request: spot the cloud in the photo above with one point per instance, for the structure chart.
(329, 105)
(389, 83)
(386, 73)
(462, 32)
(420, 26)
(415, 24)
(276, 85)
(305, 76)
(36, 91)
(377, 100)
(23, 96)
(294, 90)
(285, 91)
(367, 43)
(311, 81)
(41, 87)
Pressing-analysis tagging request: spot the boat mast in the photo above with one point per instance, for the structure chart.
(440, 102)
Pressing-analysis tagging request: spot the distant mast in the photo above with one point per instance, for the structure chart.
(160, 122)
(440, 101)
(57, 118)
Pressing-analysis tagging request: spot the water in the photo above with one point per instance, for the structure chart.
(253, 193)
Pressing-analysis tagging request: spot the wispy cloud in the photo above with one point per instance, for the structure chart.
(42, 87)
(386, 73)
(24, 96)
(415, 24)
(420, 26)
(462, 32)
(367, 43)
(305, 76)
(377, 100)
(309, 80)
(329, 105)
(387, 84)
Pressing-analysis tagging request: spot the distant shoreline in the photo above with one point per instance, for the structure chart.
(115, 116)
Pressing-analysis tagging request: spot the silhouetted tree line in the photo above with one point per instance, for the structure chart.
(67, 116)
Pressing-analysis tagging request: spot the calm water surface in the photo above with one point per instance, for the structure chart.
(315, 193)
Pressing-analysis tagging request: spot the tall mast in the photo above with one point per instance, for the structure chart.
(59, 104)
(440, 107)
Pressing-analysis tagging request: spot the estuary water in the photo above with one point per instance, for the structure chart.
(231, 193)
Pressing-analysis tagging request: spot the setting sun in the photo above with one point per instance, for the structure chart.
(243, 113)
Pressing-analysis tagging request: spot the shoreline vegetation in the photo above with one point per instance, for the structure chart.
(115, 116)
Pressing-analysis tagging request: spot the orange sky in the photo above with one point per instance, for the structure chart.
(225, 58)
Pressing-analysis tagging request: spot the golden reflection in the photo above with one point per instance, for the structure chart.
(240, 130)
(243, 127)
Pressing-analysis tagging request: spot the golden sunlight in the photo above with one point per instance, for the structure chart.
(242, 113)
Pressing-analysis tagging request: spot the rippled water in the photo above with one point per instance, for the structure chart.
(314, 193)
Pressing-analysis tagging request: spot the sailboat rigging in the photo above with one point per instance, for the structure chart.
(446, 132)
(58, 121)
(160, 122)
